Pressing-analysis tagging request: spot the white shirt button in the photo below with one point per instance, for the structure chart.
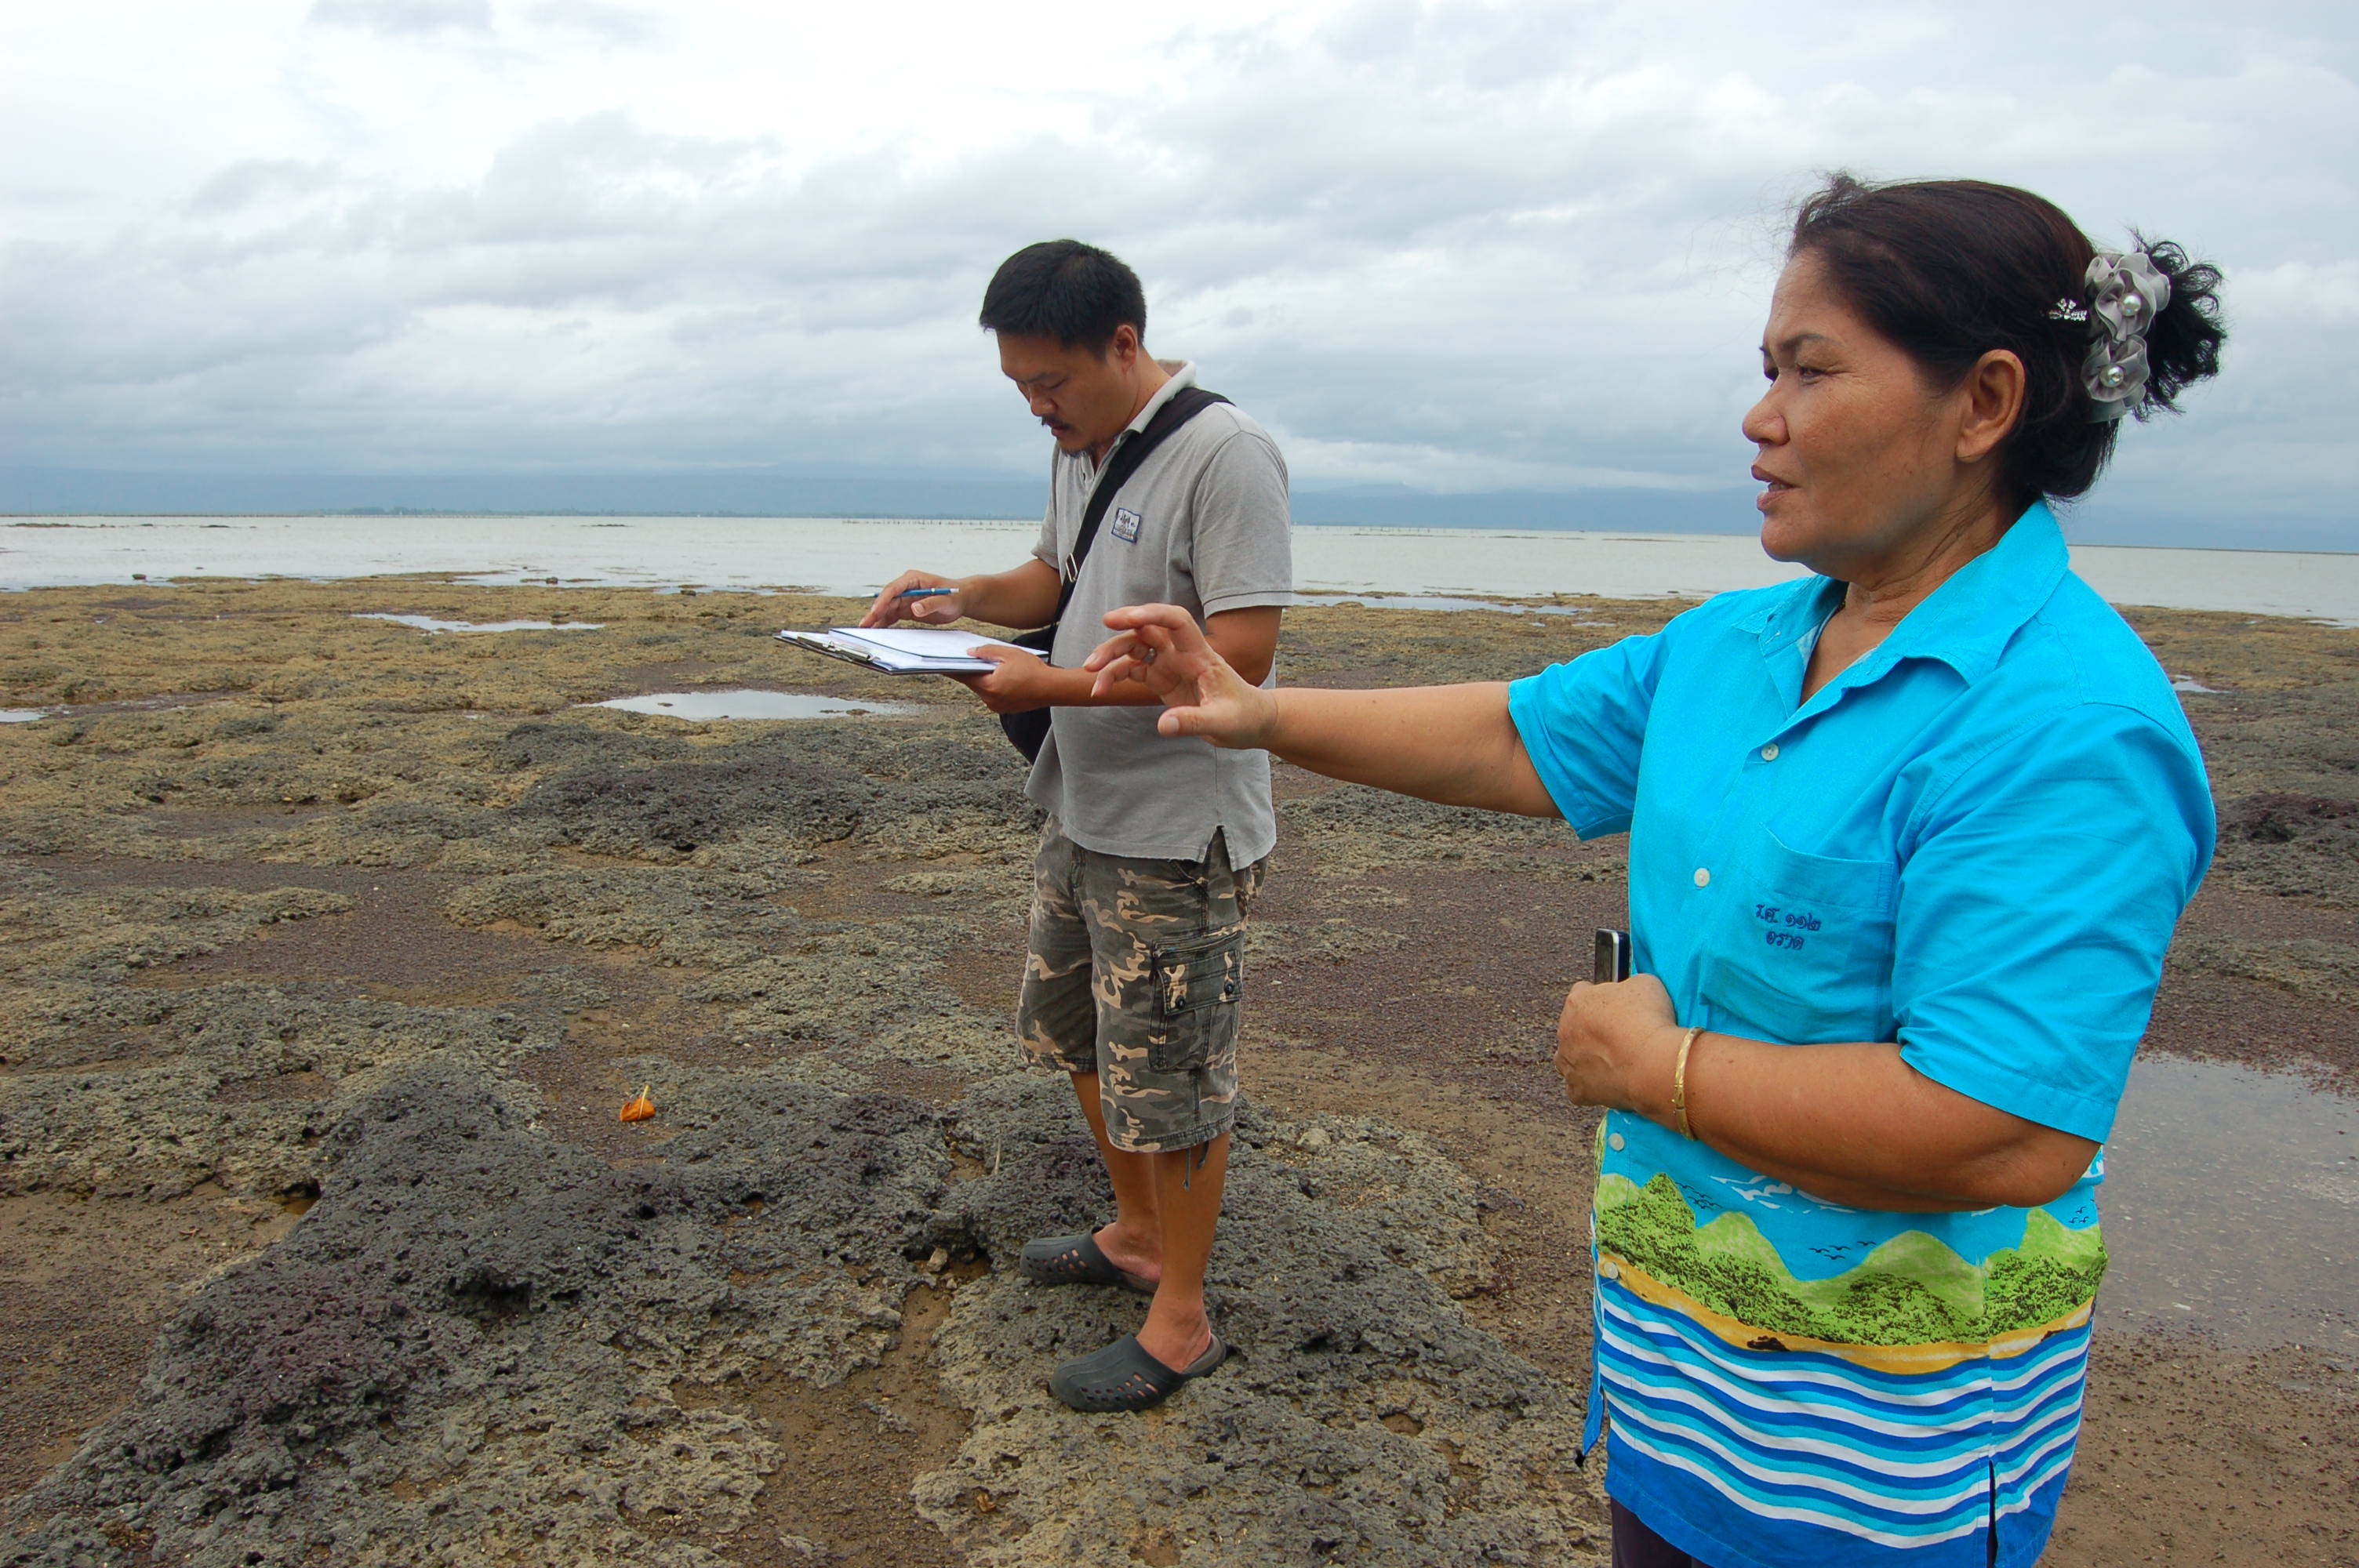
(1703, 878)
(1613, 1140)
(1769, 753)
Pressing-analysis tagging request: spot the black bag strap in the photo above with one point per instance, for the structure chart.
(1184, 406)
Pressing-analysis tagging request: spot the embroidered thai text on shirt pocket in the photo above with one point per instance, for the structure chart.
(1805, 949)
(1198, 982)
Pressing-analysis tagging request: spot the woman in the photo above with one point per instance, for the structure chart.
(1907, 840)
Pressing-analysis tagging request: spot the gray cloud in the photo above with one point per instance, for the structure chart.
(620, 25)
(1455, 247)
(405, 17)
(251, 181)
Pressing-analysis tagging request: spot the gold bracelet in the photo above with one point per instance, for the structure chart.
(1679, 1082)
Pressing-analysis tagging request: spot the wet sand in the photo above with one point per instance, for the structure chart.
(334, 944)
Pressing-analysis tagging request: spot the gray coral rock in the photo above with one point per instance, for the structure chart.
(472, 1348)
(1363, 1418)
(467, 1351)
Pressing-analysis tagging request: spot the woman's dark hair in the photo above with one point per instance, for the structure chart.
(1064, 289)
(1950, 269)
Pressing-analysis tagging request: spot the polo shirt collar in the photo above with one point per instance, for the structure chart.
(1182, 374)
(1966, 622)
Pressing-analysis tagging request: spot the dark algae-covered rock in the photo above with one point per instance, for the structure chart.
(2305, 845)
(677, 808)
(477, 1314)
(472, 1344)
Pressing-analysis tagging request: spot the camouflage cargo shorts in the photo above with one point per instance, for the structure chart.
(1136, 973)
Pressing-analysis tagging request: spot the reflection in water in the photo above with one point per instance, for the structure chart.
(2231, 1203)
(752, 705)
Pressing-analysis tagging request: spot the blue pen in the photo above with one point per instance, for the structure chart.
(923, 592)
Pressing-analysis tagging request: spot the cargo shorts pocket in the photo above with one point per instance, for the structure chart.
(1197, 982)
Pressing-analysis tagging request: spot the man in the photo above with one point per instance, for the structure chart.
(1154, 847)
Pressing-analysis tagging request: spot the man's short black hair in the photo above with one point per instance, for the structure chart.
(1064, 289)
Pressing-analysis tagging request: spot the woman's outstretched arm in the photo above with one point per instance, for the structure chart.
(1454, 744)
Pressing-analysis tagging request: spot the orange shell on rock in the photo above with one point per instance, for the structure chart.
(638, 1107)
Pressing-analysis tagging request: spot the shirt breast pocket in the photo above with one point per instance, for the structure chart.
(1802, 953)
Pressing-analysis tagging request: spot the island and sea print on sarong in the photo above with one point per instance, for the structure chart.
(1828, 1332)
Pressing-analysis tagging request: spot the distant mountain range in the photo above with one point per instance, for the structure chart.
(763, 494)
(36, 491)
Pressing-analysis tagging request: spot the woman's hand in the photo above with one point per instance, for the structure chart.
(1160, 647)
(1616, 1045)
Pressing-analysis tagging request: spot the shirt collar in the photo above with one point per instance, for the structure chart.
(1182, 373)
(1966, 622)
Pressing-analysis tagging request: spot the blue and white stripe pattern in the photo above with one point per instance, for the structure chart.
(1812, 1459)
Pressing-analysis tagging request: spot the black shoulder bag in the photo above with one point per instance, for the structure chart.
(1029, 731)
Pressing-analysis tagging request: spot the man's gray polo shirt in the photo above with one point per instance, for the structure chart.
(1202, 525)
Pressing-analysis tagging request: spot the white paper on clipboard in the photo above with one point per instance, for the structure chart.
(901, 650)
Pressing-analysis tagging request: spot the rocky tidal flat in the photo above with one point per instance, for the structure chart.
(333, 943)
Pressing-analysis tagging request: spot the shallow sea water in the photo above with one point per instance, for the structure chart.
(749, 703)
(856, 556)
(1435, 602)
(428, 623)
(2231, 1205)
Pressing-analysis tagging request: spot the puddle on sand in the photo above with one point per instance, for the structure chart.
(164, 702)
(428, 623)
(750, 704)
(2231, 1205)
(1434, 602)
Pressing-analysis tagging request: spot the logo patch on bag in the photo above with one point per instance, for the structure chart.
(1125, 525)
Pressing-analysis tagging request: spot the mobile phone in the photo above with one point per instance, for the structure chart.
(1612, 960)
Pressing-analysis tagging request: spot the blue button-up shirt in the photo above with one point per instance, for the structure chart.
(1976, 841)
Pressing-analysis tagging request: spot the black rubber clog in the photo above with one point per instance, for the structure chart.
(1123, 1376)
(1076, 1260)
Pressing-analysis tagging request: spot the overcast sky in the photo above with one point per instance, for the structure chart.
(1452, 246)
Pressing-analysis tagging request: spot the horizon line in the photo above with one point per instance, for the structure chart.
(20, 519)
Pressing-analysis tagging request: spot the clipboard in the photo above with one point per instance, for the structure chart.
(900, 651)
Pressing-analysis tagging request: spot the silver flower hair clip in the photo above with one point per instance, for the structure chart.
(2126, 291)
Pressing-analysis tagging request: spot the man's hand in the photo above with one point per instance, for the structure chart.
(1615, 1045)
(894, 605)
(1022, 681)
(1160, 647)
